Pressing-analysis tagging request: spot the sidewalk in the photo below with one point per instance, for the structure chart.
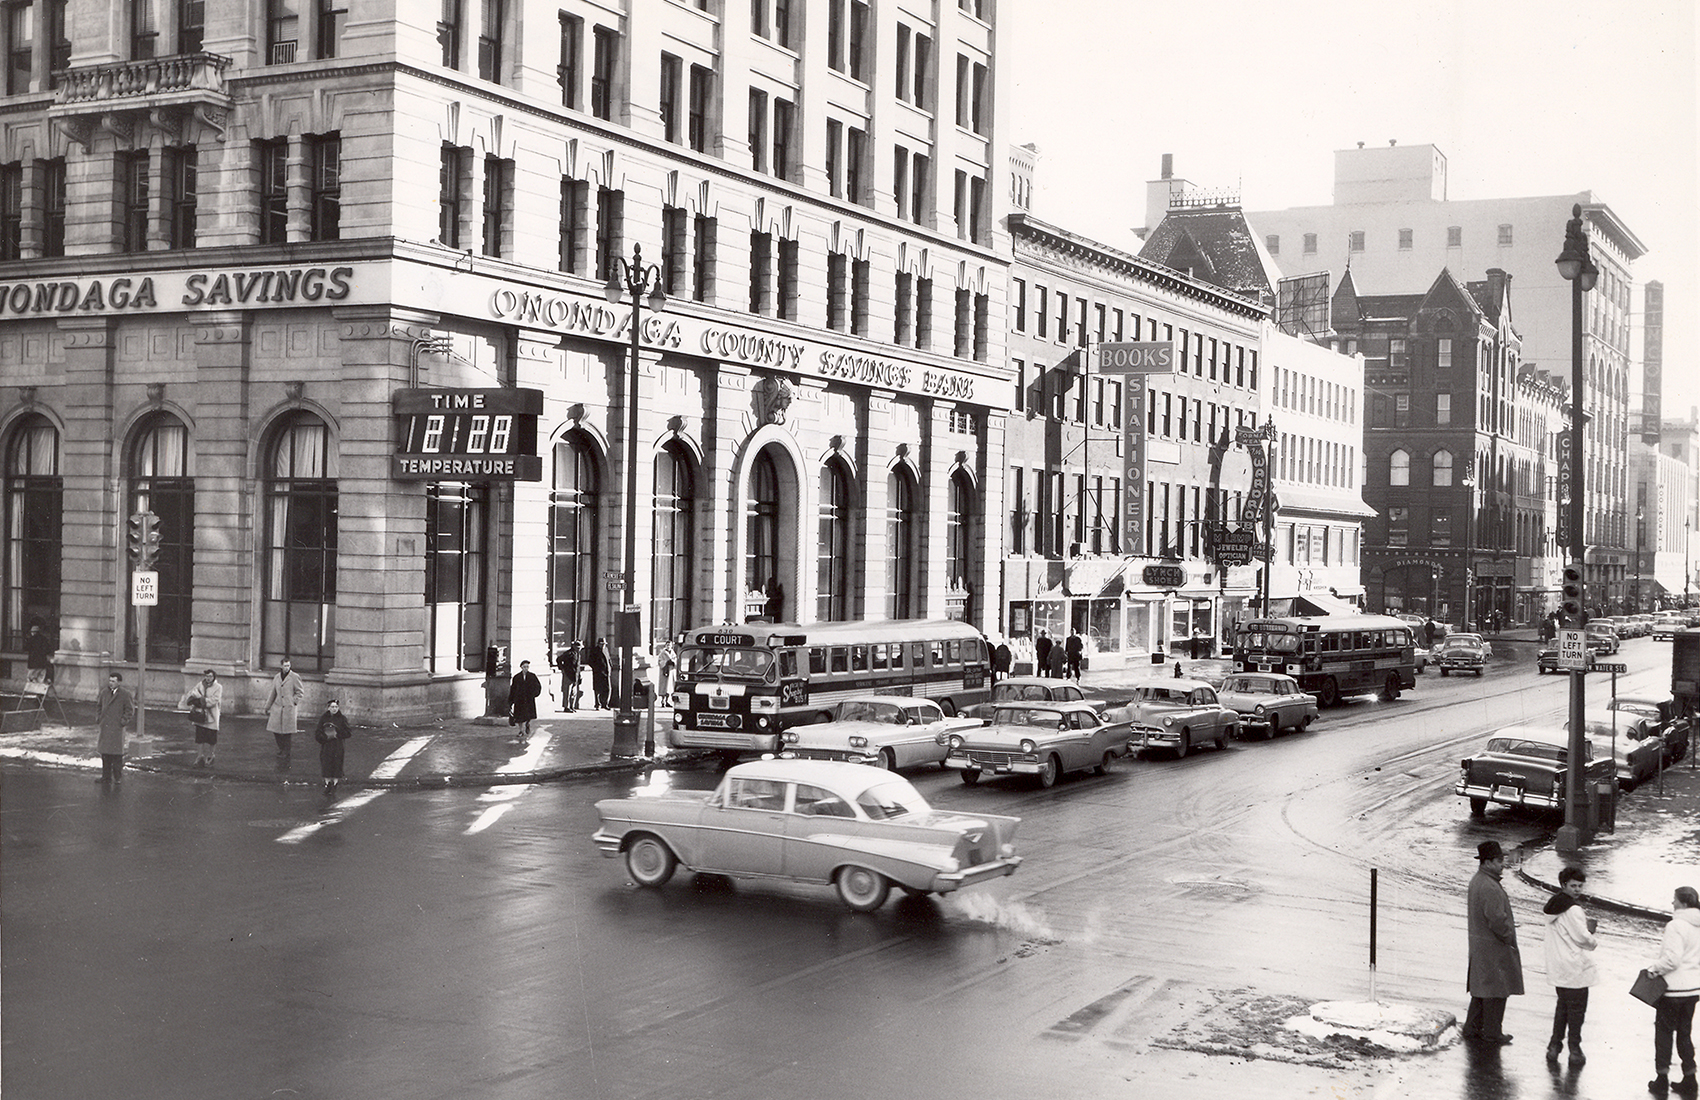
(447, 753)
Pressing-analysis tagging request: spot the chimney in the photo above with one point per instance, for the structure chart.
(1168, 166)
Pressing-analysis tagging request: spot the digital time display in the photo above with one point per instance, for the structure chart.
(467, 435)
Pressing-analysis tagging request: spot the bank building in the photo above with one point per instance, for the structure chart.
(345, 298)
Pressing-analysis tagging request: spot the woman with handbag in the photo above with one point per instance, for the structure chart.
(204, 701)
(1673, 1014)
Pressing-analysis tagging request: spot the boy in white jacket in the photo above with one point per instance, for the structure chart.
(1673, 1015)
(1570, 967)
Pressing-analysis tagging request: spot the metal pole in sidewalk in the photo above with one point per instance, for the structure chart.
(1372, 906)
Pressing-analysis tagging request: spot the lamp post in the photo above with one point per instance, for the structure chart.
(1640, 535)
(1578, 269)
(1468, 481)
(639, 281)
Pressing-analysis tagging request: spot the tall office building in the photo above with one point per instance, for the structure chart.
(325, 289)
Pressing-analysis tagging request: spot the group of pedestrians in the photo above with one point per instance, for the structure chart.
(1496, 970)
(1055, 661)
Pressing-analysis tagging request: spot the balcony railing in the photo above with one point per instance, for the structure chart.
(114, 82)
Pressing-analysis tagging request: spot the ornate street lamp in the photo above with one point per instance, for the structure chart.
(1577, 268)
(639, 281)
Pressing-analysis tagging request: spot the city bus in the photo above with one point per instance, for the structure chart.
(739, 686)
(1332, 656)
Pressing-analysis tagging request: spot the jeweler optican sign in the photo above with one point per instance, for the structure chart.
(467, 435)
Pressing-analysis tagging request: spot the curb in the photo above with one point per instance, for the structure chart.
(1611, 905)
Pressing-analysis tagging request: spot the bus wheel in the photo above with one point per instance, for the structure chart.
(1328, 693)
(1390, 690)
(970, 776)
(887, 760)
(949, 707)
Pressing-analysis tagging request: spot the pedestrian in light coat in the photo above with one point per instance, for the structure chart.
(116, 708)
(283, 699)
(204, 702)
(1570, 944)
(1496, 965)
(1673, 1016)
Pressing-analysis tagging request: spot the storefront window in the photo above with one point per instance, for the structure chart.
(901, 551)
(832, 546)
(761, 555)
(29, 571)
(300, 550)
(673, 544)
(160, 483)
(456, 516)
(574, 518)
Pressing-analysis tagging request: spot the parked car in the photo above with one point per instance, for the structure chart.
(1462, 653)
(1043, 740)
(1665, 626)
(1636, 746)
(888, 731)
(1674, 729)
(1423, 658)
(1526, 766)
(1177, 715)
(1602, 638)
(813, 821)
(1267, 703)
(1034, 689)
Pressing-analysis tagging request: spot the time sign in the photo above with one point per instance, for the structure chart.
(467, 435)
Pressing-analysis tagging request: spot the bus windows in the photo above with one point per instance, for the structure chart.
(817, 660)
(839, 660)
(880, 660)
(938, 654)
(953, 652)
(859, 658)
(918, 655)
(897, 655)
(788, 663)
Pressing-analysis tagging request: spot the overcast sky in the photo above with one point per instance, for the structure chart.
(1524, 97)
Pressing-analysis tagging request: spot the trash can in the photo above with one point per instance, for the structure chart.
(1605, 807)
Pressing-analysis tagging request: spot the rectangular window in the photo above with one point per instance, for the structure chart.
(52, 182)
(1405, 238)
(782, 22)
(1355, 240)
(982, 326)
(144, 31)
(977, 210)
(133, 200)
(837, 290)
(672, 75)
(854, 154)
(1402, 410)
(192, 24)
(283, 28)
(922, 173)
(1454, 236)
(1041, 310)
(490, 35)
(604, 56)
(450, 174)
(963, 92)
(675, 235)
(923, 313)
(610, 225)
(703, 236)
(273, 190)
(761, 272)
(834, 162)
(448, 34)
(861, 295)
(1062, 318)
(455, 576)
(1272, 242)
(758, 18)
(1310, 244)
(786, 303)
(1080, 330)
(498, 194)
(1505, 236)
(11, 210)
(1442, 409)
(177, 176)
(835, 35)
(572, 51)
(959, 205)
(923, 72)
(1018, 295)
(332, 20)
(20, 47)
(903, 328)
(784, 117)
(978, 119)
(324, 186)
(758, 130)
(900, 178)
(901, 66)
(574, 220)
(701, 93)
(1443, 353)
(964, 328)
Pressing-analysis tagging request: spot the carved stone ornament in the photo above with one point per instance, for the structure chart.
(773, 398)
(26, 394)
(294, 390)
(156, 393)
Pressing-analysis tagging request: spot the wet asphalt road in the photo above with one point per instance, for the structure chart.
(194, 939)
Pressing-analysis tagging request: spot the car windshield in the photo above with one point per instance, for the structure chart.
(1248, 686)
(1173, 696)
(1517, 746)
(1027, 716)
(1016, 693)
(892, 798)
(857, 710)
(1646, 710)
(733, 663)
(1460, 643)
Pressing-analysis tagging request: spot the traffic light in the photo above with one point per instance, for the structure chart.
(144, 539)
(1571, 604)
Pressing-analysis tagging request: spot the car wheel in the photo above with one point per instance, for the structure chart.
(970, 776)
(1185, 745)
(888, 761)
(1222, 739)
(1478, 807)
(649, 861)
(1329, 692)
(1444, 671)
(1274, 727)
(1048, 774)
(861, 889)
(1390, 689)
(1479, 672)
(1103, 767)
(949, 707)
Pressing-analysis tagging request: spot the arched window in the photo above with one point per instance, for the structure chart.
(574, 521)
(901, 545)
(672, 556)
(761, 554)
(300, 549)
(832, 545)
(456, 517)
(959, 561)
(161, 483)
(29, 570)
(1399, 468)
(1442, 468)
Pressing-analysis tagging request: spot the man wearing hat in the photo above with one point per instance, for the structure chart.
(1496, 966)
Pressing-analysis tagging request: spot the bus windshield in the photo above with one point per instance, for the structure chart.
(732, 663)
(1273, 642)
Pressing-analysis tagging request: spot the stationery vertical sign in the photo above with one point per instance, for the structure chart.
(1135, 360)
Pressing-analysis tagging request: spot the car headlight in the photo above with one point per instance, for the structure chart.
(857, 741)
(1028, 746)
(790, 737)
(767, 703)
(955, 741)
(1258, 710)
(681, 700)
(1169, 720)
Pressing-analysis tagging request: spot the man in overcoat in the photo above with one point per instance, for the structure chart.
(283, 702)
(1496, 966)
(116, 708)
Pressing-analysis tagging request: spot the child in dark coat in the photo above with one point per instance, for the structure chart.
(330, 732)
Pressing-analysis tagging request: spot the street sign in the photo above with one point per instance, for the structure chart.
(1573, 649)
(615, 585)
(1610, 666)
(144, 588)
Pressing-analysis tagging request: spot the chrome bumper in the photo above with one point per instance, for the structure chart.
(947, 881)
(1509, 796)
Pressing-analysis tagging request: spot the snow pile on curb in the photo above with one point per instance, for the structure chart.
(1371, 1024)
